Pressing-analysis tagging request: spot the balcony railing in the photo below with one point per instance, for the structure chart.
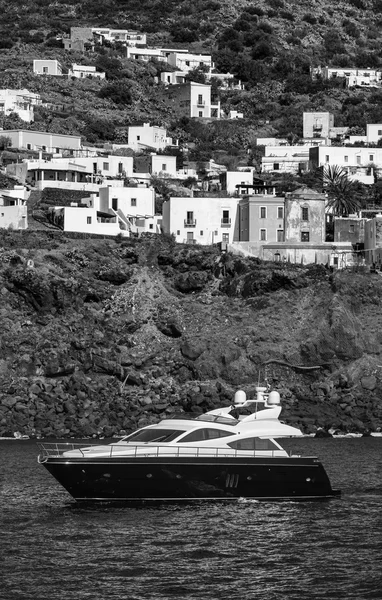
(201, 103)
(190, 222)
(225, 222)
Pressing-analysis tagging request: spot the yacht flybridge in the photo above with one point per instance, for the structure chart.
(224, 454)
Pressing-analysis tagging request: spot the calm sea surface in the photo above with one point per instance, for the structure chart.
(53, 549)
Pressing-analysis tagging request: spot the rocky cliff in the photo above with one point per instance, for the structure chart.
(102, 336)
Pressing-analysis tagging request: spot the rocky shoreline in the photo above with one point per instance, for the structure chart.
(101, 337)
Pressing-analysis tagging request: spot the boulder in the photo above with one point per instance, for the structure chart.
(369, 383)
(190, 350)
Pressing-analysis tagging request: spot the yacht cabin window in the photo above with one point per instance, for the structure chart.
(254, 443)
(154, 435)
(204, 434)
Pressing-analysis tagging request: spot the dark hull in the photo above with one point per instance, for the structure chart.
(176, 479)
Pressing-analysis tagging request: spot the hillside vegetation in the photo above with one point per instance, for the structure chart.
(270, 45)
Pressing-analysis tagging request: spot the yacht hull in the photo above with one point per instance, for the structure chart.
(177, 479)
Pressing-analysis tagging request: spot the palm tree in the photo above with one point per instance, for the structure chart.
(344, 195)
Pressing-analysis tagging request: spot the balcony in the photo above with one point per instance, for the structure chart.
(201, 103)
(190, 222)
(225, 222)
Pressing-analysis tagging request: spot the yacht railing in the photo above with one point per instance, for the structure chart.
(57, 450)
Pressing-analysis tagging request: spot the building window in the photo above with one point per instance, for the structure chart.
(358, 160)
(57, 150)
(178, 232)
(351, 228)
(225, 219)
(280, 212)
(201, 233)
(371, 157)
(105, 166)
(346, 158)
(45, 70)
(164, 167)
(225, 238)
(133, 202)
(29, 146)
(138, 138)
(43, 148)
(327, 158)
(379, 131)
(187, 63)
(280, 235)
(89, 220)
(305, 236)
(200, 113)
(190, 218)
(151, 226)
(263, 235)
(263, 212)
(200, 98)
(304, 213)
(120, 167)
(114, 203)
(276, 166)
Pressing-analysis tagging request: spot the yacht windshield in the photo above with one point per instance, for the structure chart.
(154, 435)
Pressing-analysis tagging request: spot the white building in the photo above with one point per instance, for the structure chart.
(89, 218)
(162, 164)
(285, 159)
(186, 61)
(201, 220)
(13, 208)
(358, 162)
(233, 180)
(21, 102)
(373, 75)
(147, 136)
(135, 206)
(60, 173)
(47, 67)
(105, 166)
(173, 77)
(373, 133)
(53, 143)
(145, 54)
(85, 71)
(192, 100)
(126, 37)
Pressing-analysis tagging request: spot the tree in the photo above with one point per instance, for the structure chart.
(344, 195)
(5, 142)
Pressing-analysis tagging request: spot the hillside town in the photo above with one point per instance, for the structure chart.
(110, 190)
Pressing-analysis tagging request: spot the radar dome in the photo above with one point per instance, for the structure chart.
(240, 397)
(274, 398)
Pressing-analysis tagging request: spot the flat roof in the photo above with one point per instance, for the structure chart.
(5, 131)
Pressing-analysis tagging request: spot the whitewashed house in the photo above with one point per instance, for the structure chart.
(85, 71)
(13, 208)
(201, 220)
(20, 102)
(47, 67)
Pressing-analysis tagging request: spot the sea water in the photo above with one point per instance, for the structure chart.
(55, 549)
